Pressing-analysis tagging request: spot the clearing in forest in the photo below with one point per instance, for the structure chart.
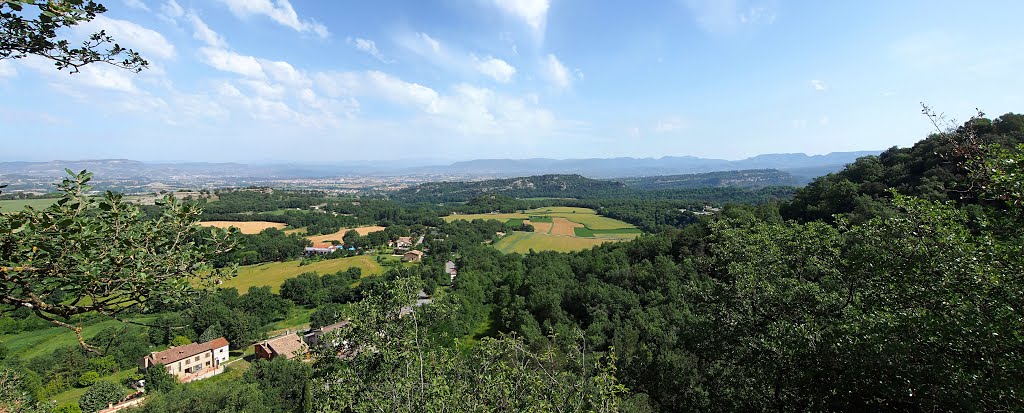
(246, 227)
(273, 274)
(523, 242)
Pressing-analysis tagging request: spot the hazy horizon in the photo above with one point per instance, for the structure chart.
(302, 81)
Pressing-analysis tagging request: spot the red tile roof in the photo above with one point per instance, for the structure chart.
(183, 352)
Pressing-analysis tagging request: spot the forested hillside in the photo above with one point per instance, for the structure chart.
(936, 168)
(750, 178)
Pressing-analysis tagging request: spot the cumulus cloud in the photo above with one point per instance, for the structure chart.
(466, 109)
(150, 43)
(202, 32)
(532, 12)
(229, 61)
(497, 69)
(285, 73)
(819, 85)
(369, 47)
(557, 73)
(280, 11)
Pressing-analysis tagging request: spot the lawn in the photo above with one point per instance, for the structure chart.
(13, 205)
(274, 273)
(298, 319)
(522, 242)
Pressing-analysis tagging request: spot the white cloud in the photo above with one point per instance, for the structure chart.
(149, 43)
(467, 109)
(203, 33)
(670, 124)
(556, 72)
(532, 12)
(171, 10)
(285, 73)
(368, 46)
(280, 11)
(136, 4)
(228, 61)
(717, 16)
(455, 60)
(819, 85)
(497, 69)
(435, 45)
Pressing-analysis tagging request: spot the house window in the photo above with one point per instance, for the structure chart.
(197, 358)
(187, 362)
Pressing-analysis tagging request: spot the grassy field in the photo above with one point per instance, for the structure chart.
(247, 227)
(274, 273)
(12, 205)
(72, 396)
(540, 218)
(337, 236)
(30, 344)
(522, 242)
(496, 217)
(618, 233)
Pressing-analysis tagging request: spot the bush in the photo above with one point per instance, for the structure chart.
(100, 395)
(88, 379)
(180, 341)
(68, 408)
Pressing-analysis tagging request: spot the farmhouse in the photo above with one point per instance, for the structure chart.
(312, 338)
(403, 243)
(450, 269)
(192, 361)
(413, 256)
(322, 248)
(288, 346)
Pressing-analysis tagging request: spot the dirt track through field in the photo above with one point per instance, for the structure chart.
(562, 226)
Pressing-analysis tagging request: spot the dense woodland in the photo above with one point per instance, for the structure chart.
(893, 285)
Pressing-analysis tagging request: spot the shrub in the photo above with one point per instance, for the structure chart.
(88, 379)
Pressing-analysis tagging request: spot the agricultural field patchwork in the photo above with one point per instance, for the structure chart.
(246, 227)
(579, 228)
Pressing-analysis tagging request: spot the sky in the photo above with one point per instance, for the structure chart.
(331, 81)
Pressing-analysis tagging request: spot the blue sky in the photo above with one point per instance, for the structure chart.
(326, 81)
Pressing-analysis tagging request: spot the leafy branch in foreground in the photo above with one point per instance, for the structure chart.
(22, 35)
(97, 254)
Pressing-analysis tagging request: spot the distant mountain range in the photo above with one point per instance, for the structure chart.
(803, 167)
(800, 165)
